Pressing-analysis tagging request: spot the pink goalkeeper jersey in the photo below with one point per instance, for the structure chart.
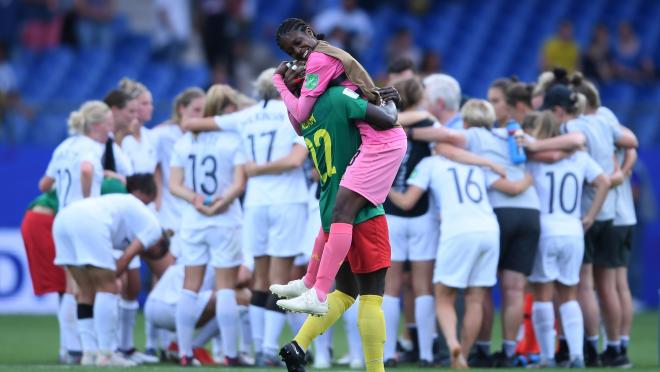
(321, 69)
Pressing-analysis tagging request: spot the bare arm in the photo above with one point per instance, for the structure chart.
(567, 142)
(382, 118)
(465, 157)
(628, 139)
(206, 124)
(548, 156)
(439, 134)
(234, 191)
(86, 177)
(616, 178)
(629, 160)
(293, 160)
(131, 251)
(158, 177)
(407, 200)
(46, 183)
(513, 188)
(602, 185)
(178, 189)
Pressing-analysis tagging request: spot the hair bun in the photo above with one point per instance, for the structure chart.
(577, 79)
(561, 75)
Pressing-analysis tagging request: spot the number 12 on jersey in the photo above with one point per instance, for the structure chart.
(330, 169)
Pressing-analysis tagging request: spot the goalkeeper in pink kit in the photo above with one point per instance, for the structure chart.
(370, 174)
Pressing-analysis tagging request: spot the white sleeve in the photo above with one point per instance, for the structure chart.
(50, 170)
(145, 224)
(591, 169)
(421, 175)
(229, 122)
(177, 160)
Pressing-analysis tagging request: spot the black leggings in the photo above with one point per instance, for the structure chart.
(364, 284)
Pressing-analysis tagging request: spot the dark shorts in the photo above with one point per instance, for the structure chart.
(370, 249)
(520, 229)
(600, 245)
(624, 239)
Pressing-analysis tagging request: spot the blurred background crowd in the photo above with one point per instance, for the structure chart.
(54, 54)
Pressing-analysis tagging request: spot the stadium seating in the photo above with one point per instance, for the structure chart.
(479, 41)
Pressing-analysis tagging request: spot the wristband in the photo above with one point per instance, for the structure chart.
(208, 200)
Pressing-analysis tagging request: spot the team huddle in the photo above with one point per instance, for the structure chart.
(329, 196)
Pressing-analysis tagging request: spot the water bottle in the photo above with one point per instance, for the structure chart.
(516, 151)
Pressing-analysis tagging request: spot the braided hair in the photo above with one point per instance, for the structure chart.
(294, 24)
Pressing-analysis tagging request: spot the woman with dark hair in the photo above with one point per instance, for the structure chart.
(497, 97)
(372, 171)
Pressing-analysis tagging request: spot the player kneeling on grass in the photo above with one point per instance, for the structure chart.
(561, 248)
(469, 233)
(85, 235)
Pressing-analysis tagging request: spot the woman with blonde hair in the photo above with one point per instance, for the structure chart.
(75, 172)
(139, 146)
(207, 172)
(275, 200)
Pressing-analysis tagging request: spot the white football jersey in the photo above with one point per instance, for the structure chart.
(462, 192)
(267, 135)
(169, 286)
(142, 154)
(559, 186)
(124, 218)
(208, 160)
(170, 208)
(64, 167)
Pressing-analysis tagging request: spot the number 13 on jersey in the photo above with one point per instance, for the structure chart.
(322, 135)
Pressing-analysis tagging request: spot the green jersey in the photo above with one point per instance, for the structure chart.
(333, 141)
(47, 199)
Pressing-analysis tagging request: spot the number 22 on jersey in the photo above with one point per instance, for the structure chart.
(322, 135)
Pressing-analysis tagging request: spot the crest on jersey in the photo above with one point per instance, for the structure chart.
(311, 81)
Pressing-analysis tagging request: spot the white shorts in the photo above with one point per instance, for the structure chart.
(274, 230)
(312, 228)
(413, 238)
(135, 262)
(559, 258)
(468, 260)
(218, 246)
(162, 314)
(79, 242)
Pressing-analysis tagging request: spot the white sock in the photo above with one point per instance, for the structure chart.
(87, 335)
(185, 321)
(352, 331)
(165, 338)
(206, 333)
(392, 310)
(246, 331)
(543, 319)
(625, 340)
(296, 321)
(509, 347)
(425, 319)
(127, 313)
(226, 313)
(67, 318)
(106, 319)
(151, 334)
(274, 324)
(257, 314)
(322, 345)
(572, 322)
(216, 344)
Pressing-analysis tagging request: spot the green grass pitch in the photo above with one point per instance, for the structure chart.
(29, 343)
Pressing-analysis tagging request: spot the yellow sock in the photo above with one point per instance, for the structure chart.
(371, 322)
(338, 303)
